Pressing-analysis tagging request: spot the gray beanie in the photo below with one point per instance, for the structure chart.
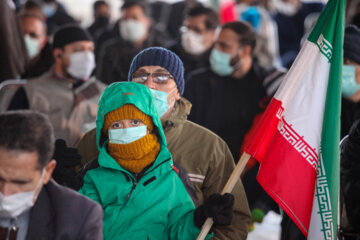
(351, 43)
(158, 56)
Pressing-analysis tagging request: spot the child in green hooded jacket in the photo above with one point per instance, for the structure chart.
(136, 182)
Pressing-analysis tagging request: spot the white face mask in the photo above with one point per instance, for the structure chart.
(286, 8)
(127, 135)
(192, 43)
(132, 30)
(32, 46)
(13, 205)
(81, 64)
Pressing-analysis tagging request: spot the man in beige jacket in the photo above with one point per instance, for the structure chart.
(204, 155)
(67, 93)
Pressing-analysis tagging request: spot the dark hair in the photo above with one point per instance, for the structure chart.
(31, 4)
(212, 20)
(246, 34)
(30, 14)
(99, 3)
(141, 3)
(27, 131)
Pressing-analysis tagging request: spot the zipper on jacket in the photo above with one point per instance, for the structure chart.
(140, 175)
(132, 189)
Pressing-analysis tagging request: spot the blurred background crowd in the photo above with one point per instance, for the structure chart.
(235, 54)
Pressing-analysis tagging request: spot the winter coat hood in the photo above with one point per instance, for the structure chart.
(121, 93)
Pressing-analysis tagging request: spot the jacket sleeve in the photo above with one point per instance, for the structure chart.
(221, 169)
(87, 147)
(181, 219)
(88, 189)
(92, 225)
(350, 180)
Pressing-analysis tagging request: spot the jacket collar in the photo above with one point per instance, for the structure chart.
(181, 113)
(42, 216)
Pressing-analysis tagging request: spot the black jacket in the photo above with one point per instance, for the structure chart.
(116, 55)
(350, 112)
(190, 62)
(40, 65)
(61, 17)
(61, 213)
(350, 178)
(225, 105)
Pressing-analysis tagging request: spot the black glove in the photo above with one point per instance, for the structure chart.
(217, 206)
(66, 159)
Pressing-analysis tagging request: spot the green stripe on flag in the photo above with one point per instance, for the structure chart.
(328, 35)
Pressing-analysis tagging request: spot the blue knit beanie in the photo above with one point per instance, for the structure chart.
(351, 43)
(158, 56)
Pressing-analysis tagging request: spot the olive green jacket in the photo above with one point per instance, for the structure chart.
(153, 204)
(205, 156)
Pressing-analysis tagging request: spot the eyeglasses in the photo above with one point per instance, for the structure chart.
(160, 78)
(197, 30)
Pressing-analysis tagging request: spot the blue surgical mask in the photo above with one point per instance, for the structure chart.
(220, 63)
(127, 135)
(48, 10)
(161, 101)
(349, 84)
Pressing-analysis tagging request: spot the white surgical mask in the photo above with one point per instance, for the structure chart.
(132, 30)
(32, 46)
(286, 8)
(13, 205)
(127, 135)
(192, 43)
(81, 64)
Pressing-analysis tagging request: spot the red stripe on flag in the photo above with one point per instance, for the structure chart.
(287, 164)
(265, 130)
(289, 179)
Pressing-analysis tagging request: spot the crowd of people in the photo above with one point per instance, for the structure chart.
(131, 129)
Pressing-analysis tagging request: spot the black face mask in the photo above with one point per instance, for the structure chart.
(102, 20)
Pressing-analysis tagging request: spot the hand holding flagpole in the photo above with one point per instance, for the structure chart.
(234, 177)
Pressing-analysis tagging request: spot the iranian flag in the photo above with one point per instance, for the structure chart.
(297, 140)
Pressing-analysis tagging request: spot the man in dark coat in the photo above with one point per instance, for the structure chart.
(350, 109)
(32, 206)
(197, 38)
(56, 15)
(37, 45)
(136, 33)
(350, 180)
(227, 96)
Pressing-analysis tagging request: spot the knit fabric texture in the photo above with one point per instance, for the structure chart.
(158, 56)
(135, 156)
(351, 43)
(127, 111)
(70, 33)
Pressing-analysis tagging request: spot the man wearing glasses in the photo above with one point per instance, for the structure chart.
(198, 35)
(204, 155)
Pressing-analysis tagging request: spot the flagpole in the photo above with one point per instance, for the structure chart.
(234, 177)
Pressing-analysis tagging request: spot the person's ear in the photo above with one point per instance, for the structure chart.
(246, 51)
(148, 22)
(57, 54)
(49, 169)
(177, 94)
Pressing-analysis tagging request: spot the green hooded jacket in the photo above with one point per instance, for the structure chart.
(153, 205)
